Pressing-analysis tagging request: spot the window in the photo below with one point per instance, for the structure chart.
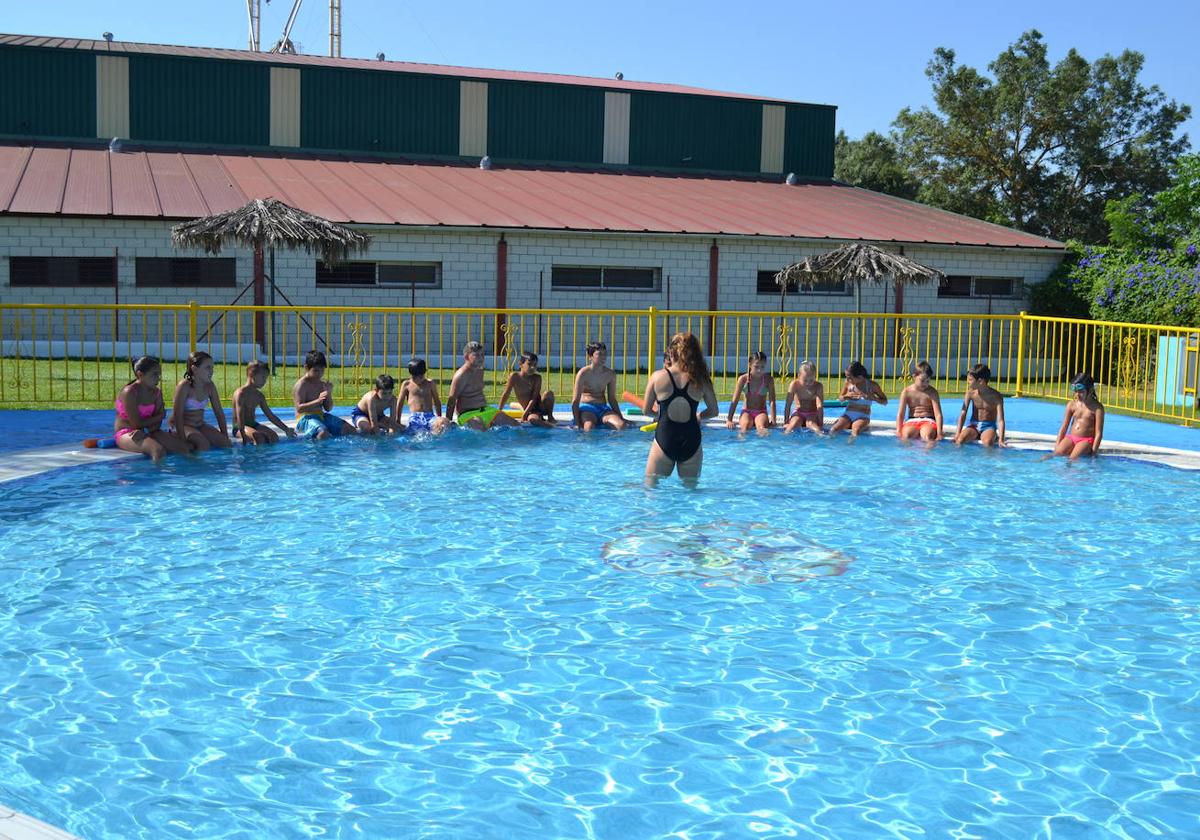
(954, 287)
(62, 271)
(402, 274)
(767, 286)
(583, 278)
(980, 287)
(186, 271)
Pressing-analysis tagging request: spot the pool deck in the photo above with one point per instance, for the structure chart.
(17, 826)
(23, 463)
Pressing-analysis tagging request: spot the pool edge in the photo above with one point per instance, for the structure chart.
(17, 826)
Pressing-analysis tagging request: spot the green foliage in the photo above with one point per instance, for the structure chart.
(1040, 147)
(872, 163)
(1141, 285)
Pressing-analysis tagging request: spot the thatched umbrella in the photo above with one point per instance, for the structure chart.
(857, 263)
(269, 223)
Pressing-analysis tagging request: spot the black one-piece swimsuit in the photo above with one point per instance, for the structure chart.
(678, 441)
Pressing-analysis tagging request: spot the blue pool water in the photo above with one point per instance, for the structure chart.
(505, 635)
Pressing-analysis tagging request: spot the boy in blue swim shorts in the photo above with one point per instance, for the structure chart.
(424, 404)
(595, 399)
(986, 405)
(313, 398)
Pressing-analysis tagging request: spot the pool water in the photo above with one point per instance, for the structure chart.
(506, 635)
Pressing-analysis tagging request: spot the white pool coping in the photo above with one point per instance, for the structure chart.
(24, 463)
(17, 826)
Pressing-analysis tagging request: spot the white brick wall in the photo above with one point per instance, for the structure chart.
(469, 272)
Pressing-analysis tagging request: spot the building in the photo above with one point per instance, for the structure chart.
(601, 193)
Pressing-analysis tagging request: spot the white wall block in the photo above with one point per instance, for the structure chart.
(472, 118)
(616, 127)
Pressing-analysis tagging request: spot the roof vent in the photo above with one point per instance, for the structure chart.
(485, 162)
(791, 180)
(108, 37)
(115, 145)
(380, 57)
(619, 76)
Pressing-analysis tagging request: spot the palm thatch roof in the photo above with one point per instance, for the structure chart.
(270, 223)
(856, 262)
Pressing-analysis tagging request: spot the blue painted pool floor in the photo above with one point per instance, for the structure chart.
(31, 429)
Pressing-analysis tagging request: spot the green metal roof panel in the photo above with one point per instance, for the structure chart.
(694, 132)
(196, 100)
(534, 121)
(47, 92)
(808, 141)
(361, 110)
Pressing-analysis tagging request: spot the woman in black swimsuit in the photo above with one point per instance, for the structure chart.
(677, 390)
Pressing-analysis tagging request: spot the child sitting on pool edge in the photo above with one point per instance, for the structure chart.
(924, 406)
(987, 410)
(140, 413)
(466, 394)
(378, 410)
(193, 394)
(424, 404)
(313, 398)
(594, 401)
(809, 395)
(759, 388)
(1084, 418)
(858, 392)
(246, 402)
(526, 384)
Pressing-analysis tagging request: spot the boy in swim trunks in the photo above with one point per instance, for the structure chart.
(378, 411)
(858, 392)
(987, 410)
(466, 394)
(759, 388)
(313, 398)
(424, 404)
(594, 401)
(526, 384)
(247, 400)
(1085, 419)
(924, 406)
(809, 395)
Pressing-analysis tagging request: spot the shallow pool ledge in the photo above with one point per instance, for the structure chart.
(23, 463)
(17, 826)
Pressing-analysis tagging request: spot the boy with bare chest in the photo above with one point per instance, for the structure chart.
(924, 406)
(247, 400)
(525, 384)
(594, 401)
(987, 410)
(424, 404)
(466, 394)
(313, 399)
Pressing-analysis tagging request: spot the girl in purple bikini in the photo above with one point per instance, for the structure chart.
(758, 386)
(140, 413)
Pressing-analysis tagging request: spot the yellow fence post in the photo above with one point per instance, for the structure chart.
(651, 349)
(193, 312)
(1020, 352)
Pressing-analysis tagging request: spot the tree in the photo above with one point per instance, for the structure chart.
(1037, 147)
(872, 163)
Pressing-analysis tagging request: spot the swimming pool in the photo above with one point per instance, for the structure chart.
(467, 638)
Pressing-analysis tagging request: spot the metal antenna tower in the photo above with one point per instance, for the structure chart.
(254, 12)
(335, 28)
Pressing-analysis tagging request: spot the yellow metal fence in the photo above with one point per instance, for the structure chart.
(64, 355)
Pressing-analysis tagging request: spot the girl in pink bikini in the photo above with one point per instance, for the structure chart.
(759, 388)
(809, 395)
(1084, 418)
(140, 412)
(193, 394)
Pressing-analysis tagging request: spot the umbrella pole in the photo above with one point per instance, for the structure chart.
(271, 340)
(259, 295)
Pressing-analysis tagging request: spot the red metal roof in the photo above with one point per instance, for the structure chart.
(182, 185)
(132, 47)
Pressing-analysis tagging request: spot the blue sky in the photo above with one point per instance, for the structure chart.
(866, 57)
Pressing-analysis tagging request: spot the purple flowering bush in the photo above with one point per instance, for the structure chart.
(1140, 285)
